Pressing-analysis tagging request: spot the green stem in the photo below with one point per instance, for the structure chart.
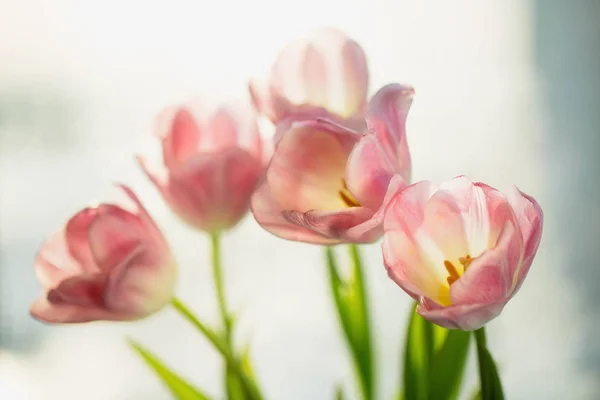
(223, 348)
(367, 363)
(351, 305)
(218, 278)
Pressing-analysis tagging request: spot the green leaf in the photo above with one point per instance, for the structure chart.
(491, 388)
(448, 366)
(180, 389)
(476, 395)
(495, 389)
(350, 299)
(234, 386)
(439, 336)
(418, 356)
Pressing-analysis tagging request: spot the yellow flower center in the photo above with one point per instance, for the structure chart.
(347, 197)
(453, 275)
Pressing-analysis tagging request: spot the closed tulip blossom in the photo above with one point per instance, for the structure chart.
(107, 263)
(462, 249)
(211, 164)
(325, 73)
(326, 183)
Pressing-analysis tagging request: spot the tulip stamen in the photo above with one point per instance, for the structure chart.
(452, 271)
(347, 197)
(454, 275)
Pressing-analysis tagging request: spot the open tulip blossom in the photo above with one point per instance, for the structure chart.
(212, 162)
(325, 74)
(461, 249)
(107, 263)
(339, 173)
(325, 183)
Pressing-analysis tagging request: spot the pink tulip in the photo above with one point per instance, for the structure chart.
(107, 263)
(326, 74)
(461, 249)
(325, 183)
(211, 165)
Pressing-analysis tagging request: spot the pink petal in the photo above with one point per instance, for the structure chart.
(368, 172)
(260, 95)
(488, 278)
(286, 78)
(221, 132)
(141, 284)
(406, 210)
(386, 118)
(468, 317)
(269, 215)
(444, 224)
(81, 290)
(182, 139)
(314, 71)
(76, 231)
(213, 191)
(307, 169)
(343, 224)
(327, 70)
(406, 266)
(54, 262)
(472, 202)
(499, 212)
(356, 77)
(530, 219)
(46, 311)
(113, 235)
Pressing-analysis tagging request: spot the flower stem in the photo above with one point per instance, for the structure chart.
(236, 366)
(350, 299)
(218, 278)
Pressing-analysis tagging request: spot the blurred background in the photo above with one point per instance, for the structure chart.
(507, 92)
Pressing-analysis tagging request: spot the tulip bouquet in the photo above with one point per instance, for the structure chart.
(337, 171)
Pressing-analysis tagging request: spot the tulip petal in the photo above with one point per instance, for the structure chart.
(356, 77)
(314, 72)
(54, 262)
(467, 317)
(472, 202)
(406, 266)
(140, 284)
(259, 95)
(327, 70)
(443, 222)
(113, 235)
(76, 232)
(405, 210)
(269, 215)
(368, 172)
(213, 191)
(344, 224)
(81, 290)
(57, 313)
(308, 167)
(530, 219)
(488, 279)
(182, 139)
(223, 132)
(386, 118)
